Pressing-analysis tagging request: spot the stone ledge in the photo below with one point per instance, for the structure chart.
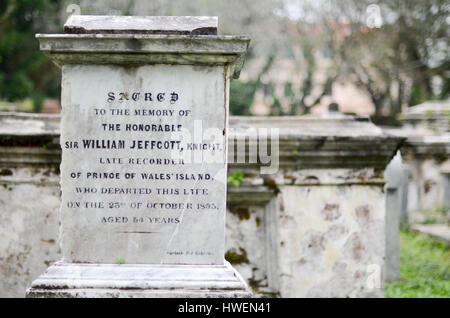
(182, 25)
(138, 280)
(322, 142)
(428, 147)
(29, 124)
(439, 232)
(139, 49)
(249, 195)
(29, 156)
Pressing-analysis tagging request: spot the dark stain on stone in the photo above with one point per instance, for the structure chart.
(355, 247)
(330, 212)
(315, 242)
(46, 141)
(363, 213)
(243, 213)
(204, 31)
(428, 185)
(320, 143)
(281, 204)
(291, 179)
(50, 241)
(133, 44)
(311, 180)
(271, 184)
(336, 231)
(358, 274)
(6, 172)
(301, 261)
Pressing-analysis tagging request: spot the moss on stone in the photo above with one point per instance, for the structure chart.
(243, 213)
(235, 257)
(271, 184)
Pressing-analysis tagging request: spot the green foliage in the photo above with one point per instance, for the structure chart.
(424, 268)
(242, 95)
(24, 71)
(418, 95)
(236, 178)
(275, 108)
(433, 216)
(120, 260)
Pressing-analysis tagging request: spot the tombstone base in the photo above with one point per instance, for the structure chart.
(65, 280)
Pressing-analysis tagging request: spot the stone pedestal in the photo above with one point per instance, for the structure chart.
(138, 280)
(144, 157)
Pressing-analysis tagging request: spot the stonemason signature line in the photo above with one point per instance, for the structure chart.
(137, 232)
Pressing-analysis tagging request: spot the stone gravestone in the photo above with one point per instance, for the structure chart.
(143, 172)
(397, 178)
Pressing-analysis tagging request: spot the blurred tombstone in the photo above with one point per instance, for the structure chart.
(397, 177)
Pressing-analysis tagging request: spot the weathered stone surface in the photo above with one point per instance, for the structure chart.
(169, 226)
(430, 115)
(141, 49)
(145, 24)
(426, 160)
(29, 204)
(331, 257)
(426, 151)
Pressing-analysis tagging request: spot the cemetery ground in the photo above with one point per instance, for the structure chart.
(424, 268)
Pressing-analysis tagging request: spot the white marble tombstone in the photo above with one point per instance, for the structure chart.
(143, 172)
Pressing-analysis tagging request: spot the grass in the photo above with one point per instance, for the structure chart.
(424, 268)
(434, 216)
